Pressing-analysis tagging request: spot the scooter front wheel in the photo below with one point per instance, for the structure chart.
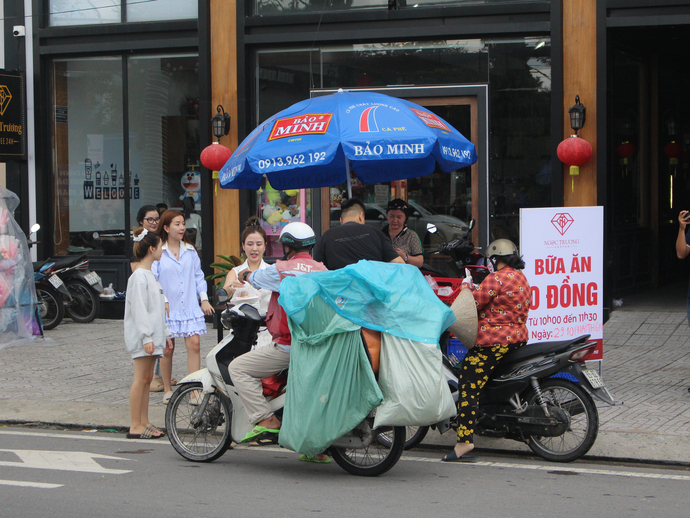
(375, 459)
(199, 437)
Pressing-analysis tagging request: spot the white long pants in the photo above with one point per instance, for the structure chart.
(248, 370)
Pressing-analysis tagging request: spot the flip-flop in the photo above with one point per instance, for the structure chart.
(309, 458)
(259, 431)
(148, 433)
(452, 457)
(167, 396)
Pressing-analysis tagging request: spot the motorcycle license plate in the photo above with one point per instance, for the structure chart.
(92, 278)
(593, 378)
(55, 281)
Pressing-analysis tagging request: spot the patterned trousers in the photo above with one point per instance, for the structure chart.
(474, 373)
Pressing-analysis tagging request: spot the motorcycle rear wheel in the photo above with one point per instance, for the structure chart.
(377, 458)
(209, 438)
(584, 421)
(50, 307)
(413, 436)
(85, 303)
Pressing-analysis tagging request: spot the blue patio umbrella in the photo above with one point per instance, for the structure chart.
(315, 143)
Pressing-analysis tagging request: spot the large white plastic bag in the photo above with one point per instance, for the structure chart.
(415, 391)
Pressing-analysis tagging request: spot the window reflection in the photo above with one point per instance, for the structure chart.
(518, 72)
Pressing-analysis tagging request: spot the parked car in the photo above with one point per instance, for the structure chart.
(448, 227)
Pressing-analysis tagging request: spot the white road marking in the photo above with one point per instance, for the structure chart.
(92, 437)
(537, 467)
(63, 461)
(39, 485)
(558, 468)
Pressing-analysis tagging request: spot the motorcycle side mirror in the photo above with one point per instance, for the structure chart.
(222, 295)
(35, 228)
(471, 225)
(431, 228)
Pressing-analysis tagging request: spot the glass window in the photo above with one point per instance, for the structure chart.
(89, 171)
(153, 10)
(518, 72)
(276, 7)
(88, 156)
(92, 12)
(283, 78)
(84, 12)
(163, 93)
(278, 208)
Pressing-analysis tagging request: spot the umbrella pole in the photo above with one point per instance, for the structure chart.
(349, 180)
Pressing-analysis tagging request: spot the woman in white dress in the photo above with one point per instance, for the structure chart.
(253, 241)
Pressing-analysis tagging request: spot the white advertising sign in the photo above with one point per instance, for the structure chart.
(563, 249)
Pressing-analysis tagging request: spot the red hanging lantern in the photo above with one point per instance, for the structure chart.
(574, 151)
(674, 151)
(625, 150)
(214, 156)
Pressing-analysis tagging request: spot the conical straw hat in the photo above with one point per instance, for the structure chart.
(466, 323)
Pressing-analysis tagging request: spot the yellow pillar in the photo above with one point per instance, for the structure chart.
(226, 222)
(580, 78)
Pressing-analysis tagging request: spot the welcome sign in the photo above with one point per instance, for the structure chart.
(563, 249)
(12, 116)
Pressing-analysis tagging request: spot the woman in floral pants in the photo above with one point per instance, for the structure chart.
(502, 300)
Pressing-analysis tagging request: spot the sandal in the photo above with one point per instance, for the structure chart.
(167, 396)
(157, 385)
(309, 458)
(259, 432)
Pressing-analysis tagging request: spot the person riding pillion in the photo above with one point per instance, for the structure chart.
(249, 369)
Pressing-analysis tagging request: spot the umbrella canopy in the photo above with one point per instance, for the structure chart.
(316, 142)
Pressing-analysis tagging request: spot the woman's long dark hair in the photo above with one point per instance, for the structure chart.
(514, 261)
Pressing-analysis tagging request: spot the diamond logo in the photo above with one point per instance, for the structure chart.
(562, 221)
(5, 98)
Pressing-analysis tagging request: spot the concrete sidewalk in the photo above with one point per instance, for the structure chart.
(80, 378)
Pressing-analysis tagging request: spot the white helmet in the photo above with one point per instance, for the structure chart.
(502, 248)
(297, 236)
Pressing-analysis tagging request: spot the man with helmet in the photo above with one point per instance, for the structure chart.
(502, 300)
(248, 370)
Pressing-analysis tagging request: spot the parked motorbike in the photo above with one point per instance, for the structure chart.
(49, 289)
(203, 430)
(50, 294)
(84, 287)
(462, 256)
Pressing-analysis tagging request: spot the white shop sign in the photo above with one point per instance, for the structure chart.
(563, 249)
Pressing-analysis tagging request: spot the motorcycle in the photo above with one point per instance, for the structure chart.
(462, 257)
(202, 430)
(50, 294)
(542, 394)
(49, 289)
(83, 285)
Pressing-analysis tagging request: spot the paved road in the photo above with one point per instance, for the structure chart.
(82, 376)
(57, 473)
